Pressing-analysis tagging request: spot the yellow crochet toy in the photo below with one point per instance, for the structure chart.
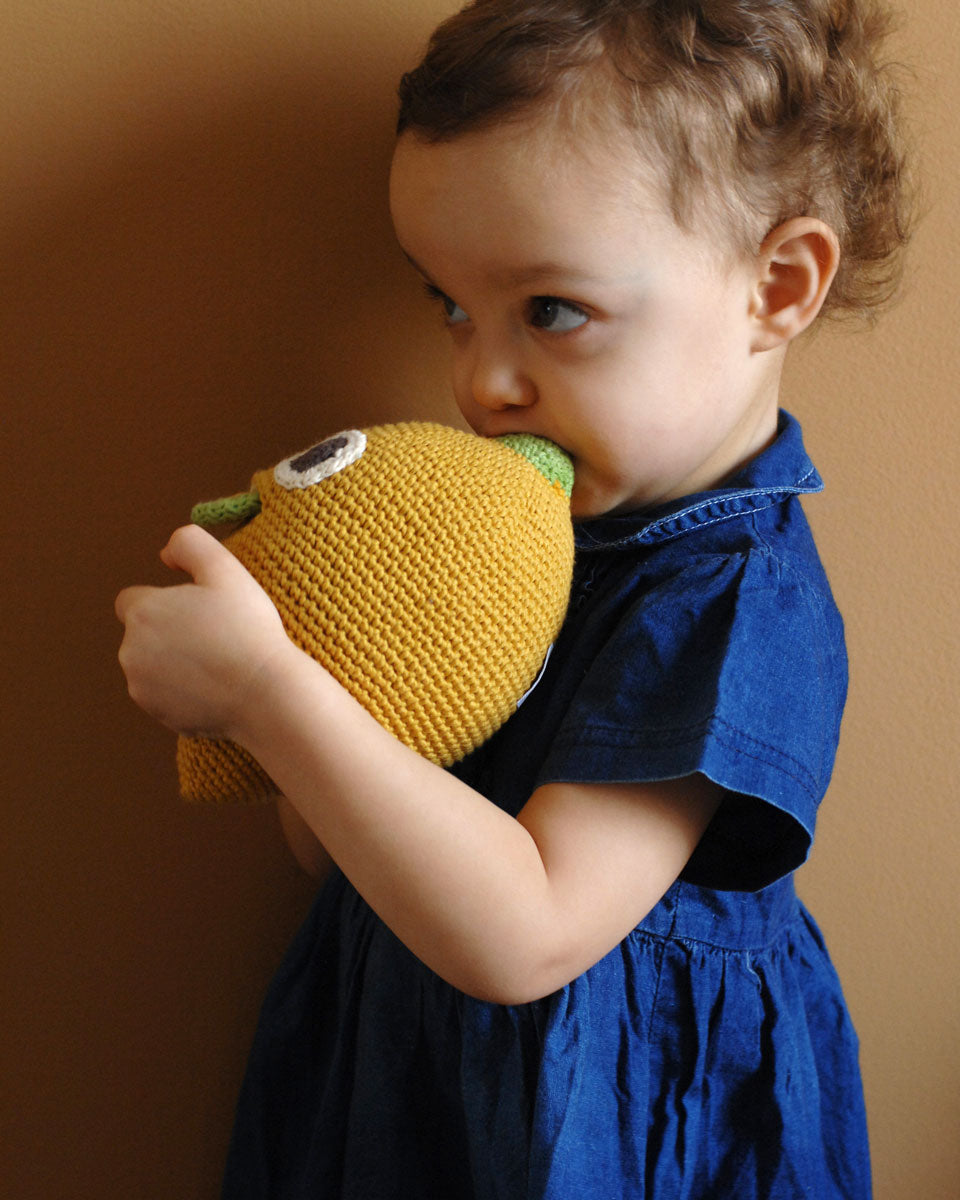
(427, 569)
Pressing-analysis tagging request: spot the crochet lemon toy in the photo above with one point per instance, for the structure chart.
(427, 569)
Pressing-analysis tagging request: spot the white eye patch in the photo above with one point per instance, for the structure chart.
(321, 461)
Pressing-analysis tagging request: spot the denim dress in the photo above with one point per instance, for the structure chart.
(710, 1055)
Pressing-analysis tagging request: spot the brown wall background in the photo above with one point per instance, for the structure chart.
(198, 277)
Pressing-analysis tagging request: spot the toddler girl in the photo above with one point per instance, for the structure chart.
(575, 966)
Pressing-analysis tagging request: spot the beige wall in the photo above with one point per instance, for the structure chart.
(198, 277)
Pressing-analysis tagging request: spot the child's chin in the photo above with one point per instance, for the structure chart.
(590, 505)
(586, 507)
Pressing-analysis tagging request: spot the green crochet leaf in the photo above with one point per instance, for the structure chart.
(227, 511)
(553, 463)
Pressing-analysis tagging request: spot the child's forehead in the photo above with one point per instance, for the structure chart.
(585, 142)
(526, 202)
(536, 148)
(516, 174)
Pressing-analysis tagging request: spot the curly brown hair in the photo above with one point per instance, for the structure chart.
(769, 109)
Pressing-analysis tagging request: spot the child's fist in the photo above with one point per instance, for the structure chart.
(192, 653)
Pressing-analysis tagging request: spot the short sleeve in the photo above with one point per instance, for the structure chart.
(733, 667)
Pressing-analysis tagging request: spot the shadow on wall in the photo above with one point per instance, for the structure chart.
(197, 288)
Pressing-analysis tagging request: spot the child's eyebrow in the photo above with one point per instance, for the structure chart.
(519, 276)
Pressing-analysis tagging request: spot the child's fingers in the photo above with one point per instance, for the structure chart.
(189, 549)
(127, 600)
(198, 553)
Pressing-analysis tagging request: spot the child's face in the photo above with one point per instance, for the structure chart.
(580, 311)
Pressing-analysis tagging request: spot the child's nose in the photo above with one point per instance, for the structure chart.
(498, 381)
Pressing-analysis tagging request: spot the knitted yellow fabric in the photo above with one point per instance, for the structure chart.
(429, 575)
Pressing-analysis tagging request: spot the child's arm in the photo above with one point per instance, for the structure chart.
(304, 844)
(507, 910)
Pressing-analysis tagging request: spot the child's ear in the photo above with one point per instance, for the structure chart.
(796, 265)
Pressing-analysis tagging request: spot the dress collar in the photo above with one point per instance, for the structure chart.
(783, 469)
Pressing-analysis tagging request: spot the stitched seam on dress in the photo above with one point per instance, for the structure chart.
(691, 733)
(683, 939)
(716, 520)
(640, 538)
(765, 546)
(661, 957)
(801, 580)
(791, 490)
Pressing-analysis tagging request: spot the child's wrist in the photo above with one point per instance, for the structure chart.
(270, 693)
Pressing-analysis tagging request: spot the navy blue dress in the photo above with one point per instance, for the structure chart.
(710, 1054)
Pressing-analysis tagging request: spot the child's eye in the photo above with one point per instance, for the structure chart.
(559, 316)
(453, 312)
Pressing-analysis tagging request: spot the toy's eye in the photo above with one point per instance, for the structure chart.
(321, 461)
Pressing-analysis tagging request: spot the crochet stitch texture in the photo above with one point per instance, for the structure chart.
(429, 576)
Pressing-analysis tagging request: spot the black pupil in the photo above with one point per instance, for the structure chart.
(318, 454)
(545, 311)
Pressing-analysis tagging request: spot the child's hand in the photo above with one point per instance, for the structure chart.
(193, 653)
